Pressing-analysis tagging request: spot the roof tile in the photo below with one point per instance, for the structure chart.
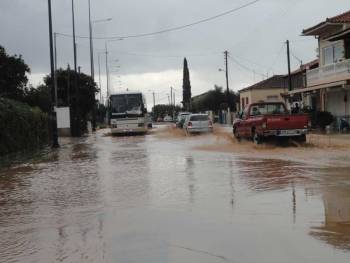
(342, 18)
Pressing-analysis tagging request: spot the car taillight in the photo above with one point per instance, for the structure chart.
(189, 124)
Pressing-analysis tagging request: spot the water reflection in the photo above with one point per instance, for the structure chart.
(335, 230)
(190, 166)
(269, 175)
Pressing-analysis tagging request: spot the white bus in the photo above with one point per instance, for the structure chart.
(128, 113)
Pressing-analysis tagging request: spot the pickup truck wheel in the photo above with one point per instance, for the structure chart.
(236, 134)
(257, 139)
(302, 138)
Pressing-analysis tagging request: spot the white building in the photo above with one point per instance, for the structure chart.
(327, 87)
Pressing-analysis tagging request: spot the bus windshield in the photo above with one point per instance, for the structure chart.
(127, 104)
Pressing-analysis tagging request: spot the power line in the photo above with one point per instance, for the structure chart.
(164, 56)
(172, 28)
(296, 58)
(276, 57)
(245, 67)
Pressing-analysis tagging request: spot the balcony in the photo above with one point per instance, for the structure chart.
(328, 74)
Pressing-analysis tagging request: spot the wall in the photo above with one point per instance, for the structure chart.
(335, 103)
(257, 95)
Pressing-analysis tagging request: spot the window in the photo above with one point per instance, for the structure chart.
(273, 108)
(333, 53)
(272, 98)
(338, 52)
(328, 55)
(243, 104)
(199, 118)
(246, 100)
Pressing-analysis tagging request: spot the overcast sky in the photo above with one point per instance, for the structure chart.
(254, 36)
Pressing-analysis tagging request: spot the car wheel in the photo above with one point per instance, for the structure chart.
(236, 134)
(302, 138)
(257, 139)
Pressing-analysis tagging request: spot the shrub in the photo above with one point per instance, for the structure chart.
(21, 127)
(323, 119)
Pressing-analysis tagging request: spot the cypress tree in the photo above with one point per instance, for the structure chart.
(186, 87)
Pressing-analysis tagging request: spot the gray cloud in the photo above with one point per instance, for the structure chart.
(253, 35)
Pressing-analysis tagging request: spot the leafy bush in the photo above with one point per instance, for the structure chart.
(21, 127)
(323, 119)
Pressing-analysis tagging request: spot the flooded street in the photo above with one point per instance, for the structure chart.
(166, 197)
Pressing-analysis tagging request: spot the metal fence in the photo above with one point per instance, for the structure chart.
(341, 123)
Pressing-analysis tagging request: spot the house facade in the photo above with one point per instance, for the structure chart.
(328, 86)
(299, 83)
(270, 90)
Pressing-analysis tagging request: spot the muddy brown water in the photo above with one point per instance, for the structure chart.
(168, 197)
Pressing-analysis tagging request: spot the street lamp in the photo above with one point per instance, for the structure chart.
(91, 39)
(52, 111)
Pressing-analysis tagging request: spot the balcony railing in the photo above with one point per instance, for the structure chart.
(330, 73)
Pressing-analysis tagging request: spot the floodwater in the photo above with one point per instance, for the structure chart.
(166, 197)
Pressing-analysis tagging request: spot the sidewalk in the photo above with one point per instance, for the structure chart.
(333, 139)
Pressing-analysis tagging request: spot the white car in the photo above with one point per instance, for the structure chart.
(198, 123)
(168, 118)
(181, 117)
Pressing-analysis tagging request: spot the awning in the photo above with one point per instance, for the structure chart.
(314, 88)
(340, 35)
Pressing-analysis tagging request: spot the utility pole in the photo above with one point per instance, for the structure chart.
(68, 86)
(91, 45)
(92, 68)
(227, 86)
(99, 76)
(107, 71)
(76, 121)
(154, 100)
(226, 71)
(52, 111)
(55, 69)
(171, 95)
(289, 75)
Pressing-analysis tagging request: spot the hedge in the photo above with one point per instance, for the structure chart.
(22, 128)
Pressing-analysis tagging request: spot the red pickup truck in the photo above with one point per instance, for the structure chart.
(266, 119)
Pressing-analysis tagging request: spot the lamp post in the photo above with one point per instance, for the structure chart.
(91, 44)
(92, 65)
(75, 108)
(52, 65)
(99, 74)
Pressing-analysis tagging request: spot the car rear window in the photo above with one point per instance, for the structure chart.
(199, 118)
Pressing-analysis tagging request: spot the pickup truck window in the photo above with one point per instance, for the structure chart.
(267, 109)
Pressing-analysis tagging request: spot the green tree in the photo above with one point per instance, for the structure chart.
(186, 87)
(67, 95)
(38, 97)
(13, 78)
(161, 110)
(214, 100)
